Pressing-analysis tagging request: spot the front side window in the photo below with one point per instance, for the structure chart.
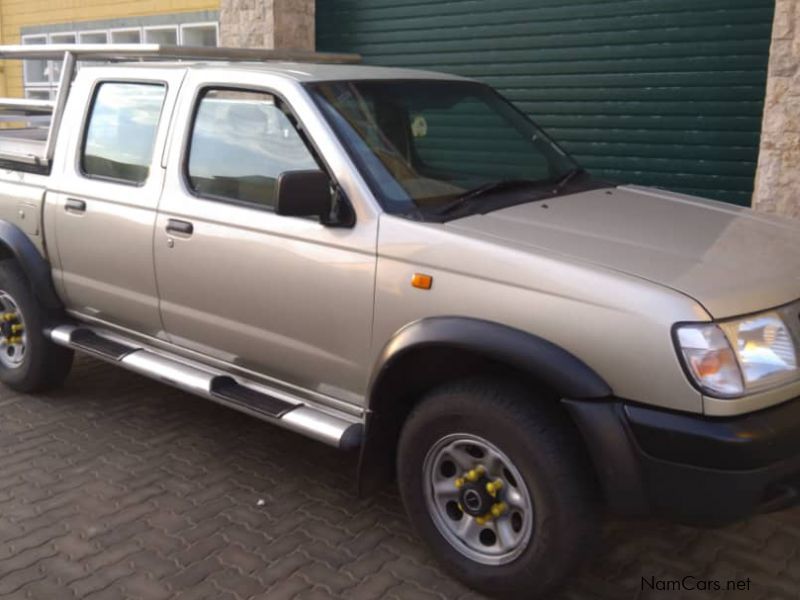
(121, 131)
(241, 142)
(426, 145)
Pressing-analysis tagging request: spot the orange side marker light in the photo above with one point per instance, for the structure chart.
(422, 281)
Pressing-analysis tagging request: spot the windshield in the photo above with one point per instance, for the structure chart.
(428, 146)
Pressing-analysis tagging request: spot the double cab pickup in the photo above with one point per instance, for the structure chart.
(401, 263)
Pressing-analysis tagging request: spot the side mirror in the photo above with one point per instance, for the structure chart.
(304, 194)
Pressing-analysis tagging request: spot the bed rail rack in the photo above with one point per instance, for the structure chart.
(32, 152)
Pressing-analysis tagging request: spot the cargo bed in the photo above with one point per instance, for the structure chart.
(24, 129)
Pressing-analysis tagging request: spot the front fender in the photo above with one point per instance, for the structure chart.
(560, 370)
(400, 376)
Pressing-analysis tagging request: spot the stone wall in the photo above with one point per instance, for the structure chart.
(777, 188)
(267, 23)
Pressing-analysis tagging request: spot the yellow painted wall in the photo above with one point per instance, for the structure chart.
(15, 14)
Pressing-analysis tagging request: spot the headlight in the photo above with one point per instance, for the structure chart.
(739, 356)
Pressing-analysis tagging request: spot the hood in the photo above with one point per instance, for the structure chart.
(730, 259)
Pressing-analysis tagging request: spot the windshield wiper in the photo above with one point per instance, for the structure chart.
(483, 190)
(567, 177)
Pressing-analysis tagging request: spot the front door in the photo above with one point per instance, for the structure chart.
(285, 297)
(105, 212)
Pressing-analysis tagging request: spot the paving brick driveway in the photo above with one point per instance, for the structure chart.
(117, 487)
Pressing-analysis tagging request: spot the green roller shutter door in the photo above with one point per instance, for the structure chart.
(667, 93)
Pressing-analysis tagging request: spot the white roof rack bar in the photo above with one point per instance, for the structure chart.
(26, 106)
(161, 51)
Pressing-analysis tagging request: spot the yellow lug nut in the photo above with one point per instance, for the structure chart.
(476, 473)
(16, 328)
(459, 483)
(15, 339)
(498, 509)
(9, 316)
(494, 486)
(482, 520)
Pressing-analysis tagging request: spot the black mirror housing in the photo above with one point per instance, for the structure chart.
(304, 194)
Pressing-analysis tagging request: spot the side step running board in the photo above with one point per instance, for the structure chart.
(272, 406)
(88, 340)
(226, 388)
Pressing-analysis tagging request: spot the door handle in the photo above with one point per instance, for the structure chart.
(179, 227)
(74, 205)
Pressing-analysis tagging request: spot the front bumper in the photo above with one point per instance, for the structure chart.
(692, 468)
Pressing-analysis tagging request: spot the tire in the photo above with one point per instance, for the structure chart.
(37, 364)
(548, 473)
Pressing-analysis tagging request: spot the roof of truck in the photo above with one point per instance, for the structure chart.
(305, 71)
(299, 65)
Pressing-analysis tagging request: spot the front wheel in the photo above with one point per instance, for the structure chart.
(497, 484)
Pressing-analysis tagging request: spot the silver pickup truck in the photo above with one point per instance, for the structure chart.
(401, 263)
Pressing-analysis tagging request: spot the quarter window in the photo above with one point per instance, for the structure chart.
(241, 142)
(121, 131)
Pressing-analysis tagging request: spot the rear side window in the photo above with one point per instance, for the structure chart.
(241, 142)
(121, 131)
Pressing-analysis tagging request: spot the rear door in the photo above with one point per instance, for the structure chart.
(105, 207)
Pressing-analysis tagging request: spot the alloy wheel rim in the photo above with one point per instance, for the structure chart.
(478, 499)
(13, 337)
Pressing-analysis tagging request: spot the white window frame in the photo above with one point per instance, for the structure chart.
(58, 34)
(51, 84)
(31, 90)
(92, 32)
(35, 84)
(197, 24)
(174, 28)
(138, 30)
(51, 67)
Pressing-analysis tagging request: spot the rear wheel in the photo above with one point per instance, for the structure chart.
(29, 361)
(495, 481)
